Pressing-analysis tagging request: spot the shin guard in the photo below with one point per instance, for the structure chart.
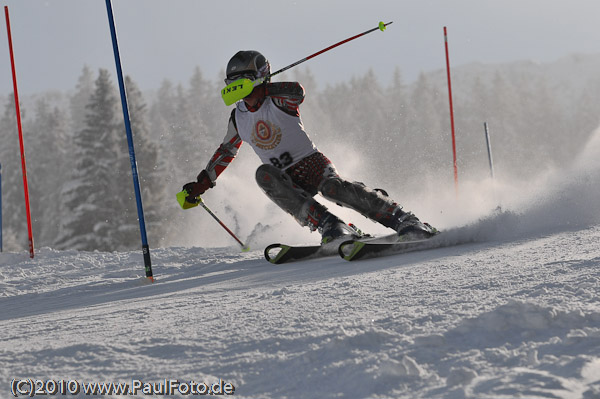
(366, 201)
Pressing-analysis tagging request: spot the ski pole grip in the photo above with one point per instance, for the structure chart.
(182, 199)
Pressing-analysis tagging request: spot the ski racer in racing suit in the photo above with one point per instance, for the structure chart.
(293, 169)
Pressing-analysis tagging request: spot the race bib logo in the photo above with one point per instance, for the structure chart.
(266, 135)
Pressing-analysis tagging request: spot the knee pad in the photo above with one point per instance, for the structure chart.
(276, 183)
(268, 176)
(278, 186)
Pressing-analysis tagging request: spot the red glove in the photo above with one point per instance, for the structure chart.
(195, 189)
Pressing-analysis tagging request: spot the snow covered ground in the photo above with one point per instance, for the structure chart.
(512, 313)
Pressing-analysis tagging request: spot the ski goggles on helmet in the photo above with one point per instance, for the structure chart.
(246, 75)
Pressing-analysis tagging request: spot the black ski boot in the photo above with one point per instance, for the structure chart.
(409, 227)
(332, 228)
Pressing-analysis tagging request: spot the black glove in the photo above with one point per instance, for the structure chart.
(197, 188)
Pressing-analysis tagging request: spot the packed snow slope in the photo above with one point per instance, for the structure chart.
(511, 312)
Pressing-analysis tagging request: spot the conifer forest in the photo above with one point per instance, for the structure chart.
(79, 173)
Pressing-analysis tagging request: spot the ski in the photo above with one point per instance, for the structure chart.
(351, 250)
(282, 253)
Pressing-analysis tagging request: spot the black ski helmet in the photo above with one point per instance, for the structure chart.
(247, 62)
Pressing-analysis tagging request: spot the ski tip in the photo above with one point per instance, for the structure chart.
(349, 249)
(274, 253)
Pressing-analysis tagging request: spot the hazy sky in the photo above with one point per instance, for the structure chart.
(161, 39)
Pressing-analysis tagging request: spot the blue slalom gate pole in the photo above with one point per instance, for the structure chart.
(136, 183)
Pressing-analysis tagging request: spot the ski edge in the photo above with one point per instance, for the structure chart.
(379, 245)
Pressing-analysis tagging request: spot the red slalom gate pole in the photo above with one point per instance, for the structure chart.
(451, 111)
(20, 129)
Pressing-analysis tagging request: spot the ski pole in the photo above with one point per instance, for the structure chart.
(245, 248)
(241, 88)
(381, 27)
(182, 199)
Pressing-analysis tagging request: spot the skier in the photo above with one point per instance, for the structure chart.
(293, 169)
